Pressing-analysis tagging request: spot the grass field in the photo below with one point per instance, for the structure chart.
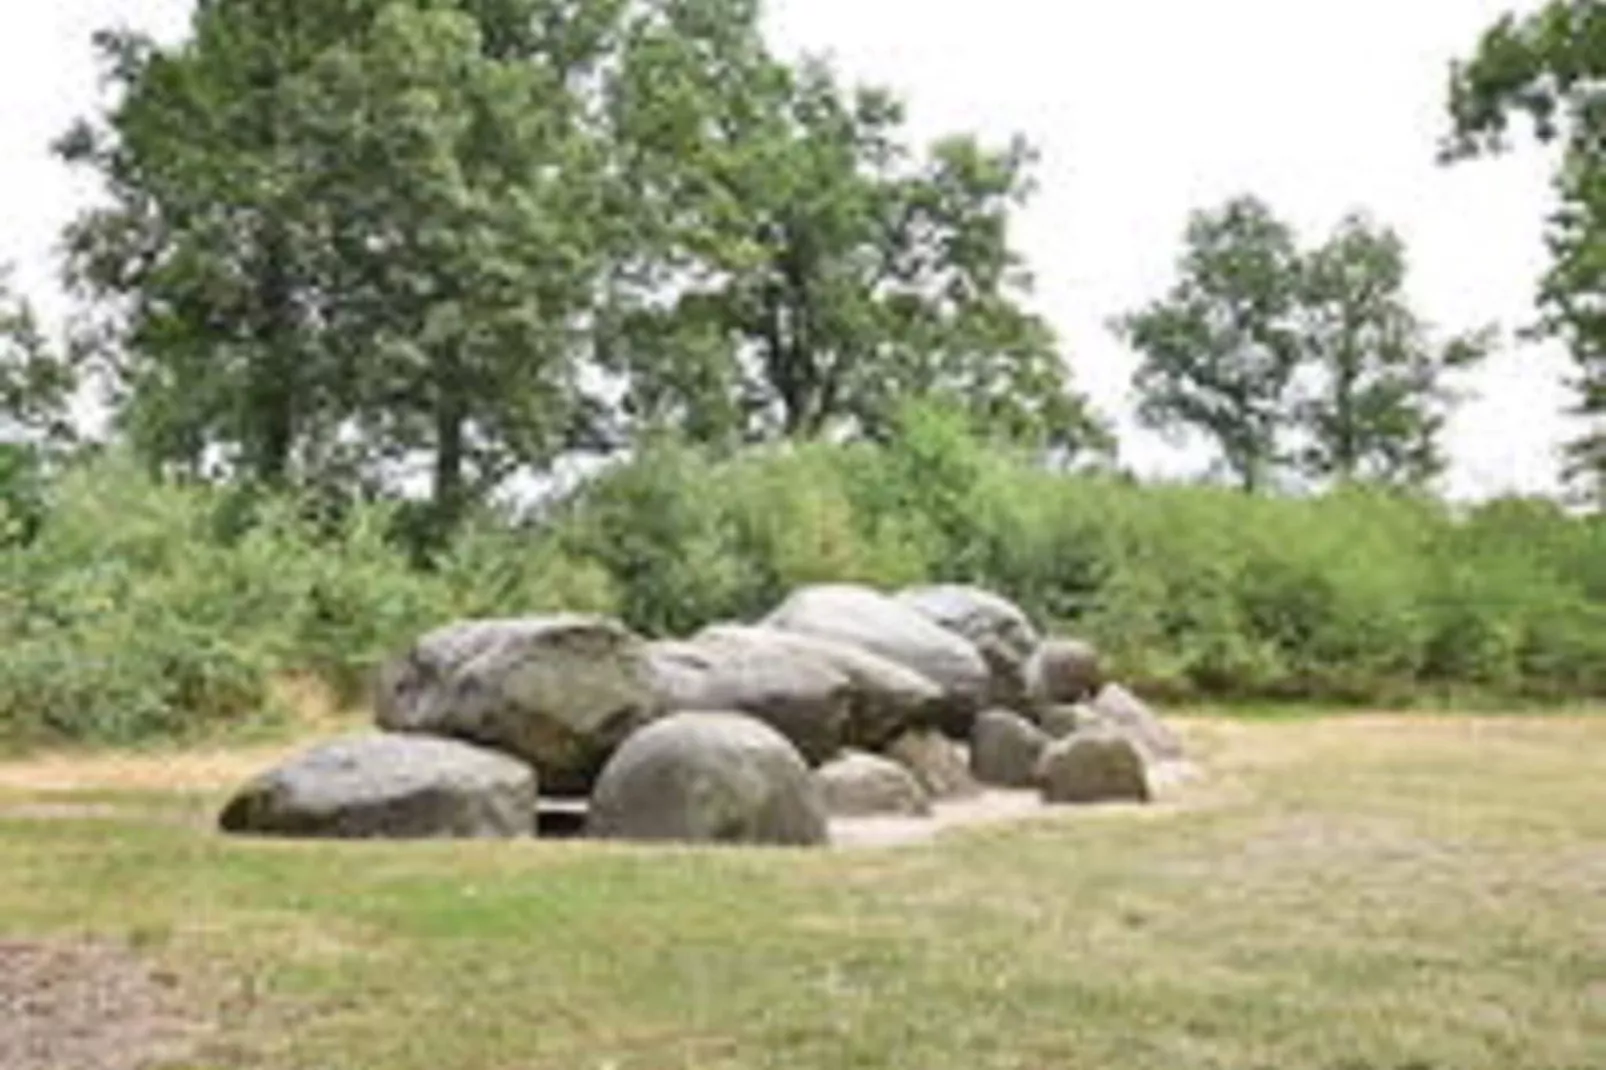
(1349, 893)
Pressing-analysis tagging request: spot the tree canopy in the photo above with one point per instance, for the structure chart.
(345, 233)
(36, 381)
(1379, 388)
(1221, 348)
(1295, 360)
(377, 246)
(348, 237)
(817, 269)
(1549, 68)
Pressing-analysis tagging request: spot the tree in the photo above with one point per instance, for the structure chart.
(1550, 67)
(1293, 359)
(344, 236)
(818, 273)
(1377, 395)
(962, 331)
(204, 254)
(462, 195)
(1220, 350)
(342, 233)
(36, 383)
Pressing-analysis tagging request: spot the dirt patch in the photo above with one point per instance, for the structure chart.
(85, 1007)
(990, 807)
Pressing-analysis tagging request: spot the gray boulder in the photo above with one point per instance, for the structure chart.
(867, 785)
(1063, 672)
(1005, 749)
(996, 627)
(1127, 715)
(867, 619)
(803, 697)
(708, 778)
(560, 692)
(401, 787)
(1062, 721)
(937, 763)
(1093, 767)
(885, 698)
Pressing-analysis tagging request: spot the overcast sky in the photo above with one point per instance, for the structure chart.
(1143, 111)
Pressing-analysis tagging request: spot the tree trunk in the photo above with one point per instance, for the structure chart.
(276, 430)
(451, 418)
(273, 400)
(1346, 448)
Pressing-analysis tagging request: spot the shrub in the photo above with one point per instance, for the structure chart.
(1358, 595)
(132, 609)
(103, 636)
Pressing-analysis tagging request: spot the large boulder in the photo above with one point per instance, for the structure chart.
(872, 621)
(868, 785)
(1005, 749)
(996, 627)
(936, 762)
(885, 698)
(1063, 672)
(801, 696)
(1093, 767)
(709, 778)
(1126, 715)
(561, 692)
(402, 787)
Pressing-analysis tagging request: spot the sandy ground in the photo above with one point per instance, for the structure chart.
(205, 770)
(990, 807)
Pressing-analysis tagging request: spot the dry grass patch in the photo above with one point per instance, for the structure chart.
(315, 713)
(192, 771)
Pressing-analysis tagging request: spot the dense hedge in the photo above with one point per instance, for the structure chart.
(132, 610)
(139, 610)
(1356, 596)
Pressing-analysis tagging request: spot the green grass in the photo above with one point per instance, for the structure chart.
(1342, 894)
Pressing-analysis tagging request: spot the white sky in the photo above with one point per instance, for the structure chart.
(1143, 111)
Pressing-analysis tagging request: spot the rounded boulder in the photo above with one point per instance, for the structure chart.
(1124, 714)
(559, 692)
(1094, 767)
(396, 787)
(1005, 749)
(861, 617)
(1063, 672)
(801, 696)
(708, 778)
(867, 785)
(999, 629)
(885, 698)
(937, 762)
